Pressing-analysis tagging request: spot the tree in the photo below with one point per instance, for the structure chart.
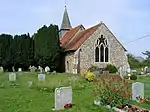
(47, 49)
(147, 53)
(134, 63)
(22, 50)
(5, 50)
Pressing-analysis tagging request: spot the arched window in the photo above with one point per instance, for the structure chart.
(67, 66)
(101, 50)
(96, 54)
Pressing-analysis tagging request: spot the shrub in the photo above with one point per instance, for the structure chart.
(90, 76)
(133, 77)
(113, 91)
(111, 68)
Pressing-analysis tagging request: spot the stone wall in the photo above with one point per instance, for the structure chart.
(69, 59)
(117, 54)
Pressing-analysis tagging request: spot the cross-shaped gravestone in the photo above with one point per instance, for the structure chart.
(63, 96)
(12, 77)
(137, 90)
(41, 77)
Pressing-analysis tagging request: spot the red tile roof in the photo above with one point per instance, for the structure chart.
(68, 43)
(80, 38)
(68, 36)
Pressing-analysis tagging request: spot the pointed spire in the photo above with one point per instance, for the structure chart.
(66, 25)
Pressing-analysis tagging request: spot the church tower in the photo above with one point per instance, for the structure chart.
(66, 25)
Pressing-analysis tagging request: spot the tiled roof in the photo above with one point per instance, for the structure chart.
(80, 38)
(68, 43)
(68, 36)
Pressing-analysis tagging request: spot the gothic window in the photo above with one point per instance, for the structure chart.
(96, 54)
(67, 66)
(101, 50)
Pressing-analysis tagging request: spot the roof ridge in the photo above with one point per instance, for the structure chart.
(74, 33)
(83, 33)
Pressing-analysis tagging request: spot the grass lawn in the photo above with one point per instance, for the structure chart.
(19, 97)
(146, 81)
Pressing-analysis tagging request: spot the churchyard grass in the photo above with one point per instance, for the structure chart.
(18, 96)
(146, 81)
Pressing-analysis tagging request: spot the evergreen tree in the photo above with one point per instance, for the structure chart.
(22, 51)
(5, 50)
(47, 49)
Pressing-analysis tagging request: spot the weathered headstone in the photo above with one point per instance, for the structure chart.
(40, 69)
(148, 70)
(29, 83)
(32, 68)
(19, 69)
(1, 69)
(129, 75)
(105, 72)
(41, 77)
(47, 69)
(128, 70)
(12, 77)
(54, 72)
(63, 96)
(97, 73)
(121, 71)
(137, 90)
(13, 69)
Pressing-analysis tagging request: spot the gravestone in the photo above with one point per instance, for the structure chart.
(137, 90)
(1, 69)
(32, 68)
(148, 70)
(47, 69)
(63, 96)
(40, 69)
(54, 72)
(121, 72)
(105, 72)
(29, 83)
(12, 77)
(13, 69)
(41, 77)
(128, 70)
(97, 73)
(19, 69)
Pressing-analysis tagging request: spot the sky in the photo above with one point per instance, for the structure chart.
(127, 19)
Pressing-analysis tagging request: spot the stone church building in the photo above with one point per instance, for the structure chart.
(96, 46)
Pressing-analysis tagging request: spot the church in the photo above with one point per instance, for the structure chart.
(95, 46)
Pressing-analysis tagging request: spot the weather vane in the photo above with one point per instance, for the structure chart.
(65, 3)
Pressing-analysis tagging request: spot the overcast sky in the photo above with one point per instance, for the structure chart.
(127, 19)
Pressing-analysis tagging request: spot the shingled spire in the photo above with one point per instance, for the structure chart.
(66, 25)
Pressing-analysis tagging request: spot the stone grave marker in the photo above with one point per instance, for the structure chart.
(41, 77)
(148, 70)
(12, 77)
(32, 68)
(19, 69)
(105, 72)
(47, 69)
(137, 90)
(97, 73)
(29, 83)
(63, 96)
(1, 69)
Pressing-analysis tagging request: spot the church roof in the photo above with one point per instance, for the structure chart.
(66, 22)
(73, 40)
(79, 39)
(68, 36)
